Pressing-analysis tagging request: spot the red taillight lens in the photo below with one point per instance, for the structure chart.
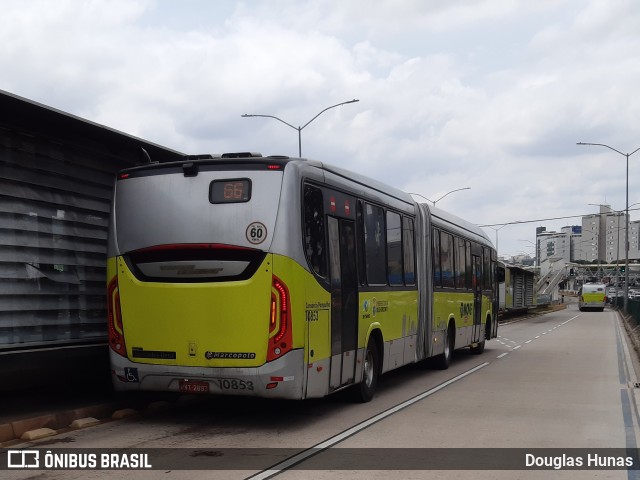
(114, 318)
(279, 321)
(283, 296)
(273, 320)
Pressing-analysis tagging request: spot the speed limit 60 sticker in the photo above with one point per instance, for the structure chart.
(256, 233)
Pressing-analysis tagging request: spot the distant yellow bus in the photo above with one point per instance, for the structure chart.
(592, 296)
(285, 278)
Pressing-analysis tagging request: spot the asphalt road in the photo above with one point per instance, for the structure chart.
(562, 381)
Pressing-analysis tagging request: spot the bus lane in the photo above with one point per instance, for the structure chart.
(554, 381)
(558, 392)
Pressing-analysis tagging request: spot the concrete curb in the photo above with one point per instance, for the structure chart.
(24, 428)
(44, 425)
(531, 313)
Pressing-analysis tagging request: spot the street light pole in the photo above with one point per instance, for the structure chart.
(299, 129)
(497, 230)
(626, 230)
(456, 190)
(436, 201)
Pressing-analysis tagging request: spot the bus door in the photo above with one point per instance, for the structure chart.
(344, 300)
(477, 297)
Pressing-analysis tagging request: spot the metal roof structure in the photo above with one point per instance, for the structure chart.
(21, 114)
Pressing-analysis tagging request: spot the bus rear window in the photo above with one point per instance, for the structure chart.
(236, 190)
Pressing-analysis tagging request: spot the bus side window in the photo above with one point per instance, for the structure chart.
(446, 259)
(314, 230)
(437, 279)
(494, 267)
(362, 276)
(468, 270)
(394, 249)
(375, 244)
(486, 269)
(408, 241)
(461, 261)
(500, 274)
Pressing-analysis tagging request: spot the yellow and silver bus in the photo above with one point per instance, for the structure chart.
(285, 278)
(592, 295)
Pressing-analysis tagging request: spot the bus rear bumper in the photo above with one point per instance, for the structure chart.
(282, 378)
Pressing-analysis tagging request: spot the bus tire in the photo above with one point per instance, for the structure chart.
(444, 360)
(363, 391)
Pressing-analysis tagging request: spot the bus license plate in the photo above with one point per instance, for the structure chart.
(193, 386)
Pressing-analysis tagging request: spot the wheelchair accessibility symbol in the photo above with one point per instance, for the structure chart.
(131, 374)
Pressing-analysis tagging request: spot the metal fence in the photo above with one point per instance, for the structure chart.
(633, 307)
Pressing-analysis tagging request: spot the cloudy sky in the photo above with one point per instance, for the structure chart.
(487, 94)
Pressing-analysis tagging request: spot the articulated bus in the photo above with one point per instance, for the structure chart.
(285, 278)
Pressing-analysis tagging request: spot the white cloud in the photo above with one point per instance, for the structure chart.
(488, 94)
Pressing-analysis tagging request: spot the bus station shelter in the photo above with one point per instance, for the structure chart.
(56, 177)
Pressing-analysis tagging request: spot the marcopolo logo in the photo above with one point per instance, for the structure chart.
(230, 355)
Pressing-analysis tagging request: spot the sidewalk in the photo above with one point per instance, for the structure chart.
(30, 414)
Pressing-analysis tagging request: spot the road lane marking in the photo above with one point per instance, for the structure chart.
(503, 355)
(330, 442)
(536, 337)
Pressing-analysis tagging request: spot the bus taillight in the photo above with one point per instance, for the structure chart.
(114, 318)
(273, 320)
(280, 338)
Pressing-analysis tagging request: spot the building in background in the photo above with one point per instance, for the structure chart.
(598, 244)
(634, 245)
(600, 238)
(603, 237)
(557, 248)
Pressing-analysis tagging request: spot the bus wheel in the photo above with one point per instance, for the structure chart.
(363, 392)
(443, 361)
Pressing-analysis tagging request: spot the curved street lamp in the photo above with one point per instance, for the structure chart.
(436, 201)
(299, 129)
(456, 190)
(497, 230)
(626, 235)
